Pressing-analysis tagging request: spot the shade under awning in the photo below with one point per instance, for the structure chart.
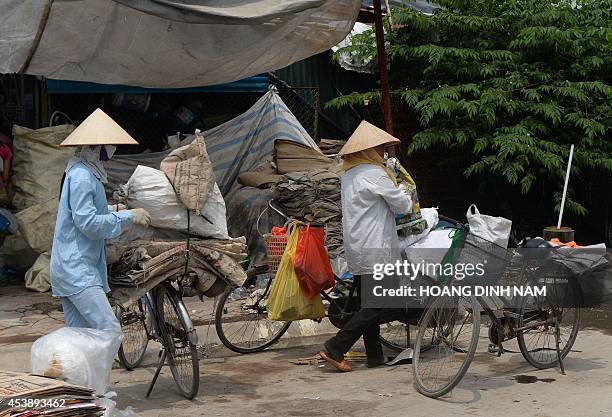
(166, 44)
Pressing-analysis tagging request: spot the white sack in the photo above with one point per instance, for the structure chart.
(76, 355)
(493, 229)
(37, 224)
(150, 189)
(39, 163)
(431, 249)
(38, 278)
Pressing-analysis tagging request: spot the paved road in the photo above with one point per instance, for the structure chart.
(268, 384)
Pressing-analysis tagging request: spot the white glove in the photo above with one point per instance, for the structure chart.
(117, 207)
(141, 217)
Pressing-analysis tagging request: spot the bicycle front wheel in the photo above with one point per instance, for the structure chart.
(134, 322)
(242, 323)
(449, 329)
(182, 354)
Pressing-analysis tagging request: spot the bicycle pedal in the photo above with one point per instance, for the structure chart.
(493, 348)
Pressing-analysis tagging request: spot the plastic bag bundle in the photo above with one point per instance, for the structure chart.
(79, 356)
(491, 228)
(311, 262)
(287, 302)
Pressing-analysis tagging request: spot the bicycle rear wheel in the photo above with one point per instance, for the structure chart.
(396, 335)
(135, 324)
(182, 354)
(241, 319)
(557, 314)
(449, 329)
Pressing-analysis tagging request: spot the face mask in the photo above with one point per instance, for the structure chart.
(107, 152)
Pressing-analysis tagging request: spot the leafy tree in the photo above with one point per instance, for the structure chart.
(509, 85)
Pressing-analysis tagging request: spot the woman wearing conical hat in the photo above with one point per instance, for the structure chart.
(84, 222)
(370, 200)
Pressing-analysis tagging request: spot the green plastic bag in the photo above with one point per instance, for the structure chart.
(287, 302)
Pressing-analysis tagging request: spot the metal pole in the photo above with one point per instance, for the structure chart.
(382, 66)
(567, 173)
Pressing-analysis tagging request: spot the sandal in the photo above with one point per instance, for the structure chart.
(385, 360)
(341, 366)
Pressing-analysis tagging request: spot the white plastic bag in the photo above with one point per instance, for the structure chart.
(150, 189)
(493, 229)
(79, 356)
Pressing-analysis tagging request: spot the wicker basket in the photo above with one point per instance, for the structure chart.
(275, 247)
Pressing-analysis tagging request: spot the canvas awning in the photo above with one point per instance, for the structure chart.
(166, 43)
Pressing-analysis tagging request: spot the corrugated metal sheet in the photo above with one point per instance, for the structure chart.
(258, 83)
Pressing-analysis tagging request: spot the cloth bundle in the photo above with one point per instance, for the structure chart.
(314, 196)
(142, 265)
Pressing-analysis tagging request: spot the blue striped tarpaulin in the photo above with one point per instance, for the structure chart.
(234, 147)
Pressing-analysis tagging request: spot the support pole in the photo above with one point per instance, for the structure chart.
(567, 174)
(382, 66)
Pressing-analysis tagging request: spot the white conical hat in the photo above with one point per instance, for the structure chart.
(366, 136)
(98, 129)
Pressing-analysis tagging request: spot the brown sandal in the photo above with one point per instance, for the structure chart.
(341, 366)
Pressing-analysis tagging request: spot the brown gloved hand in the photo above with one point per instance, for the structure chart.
(141, 217)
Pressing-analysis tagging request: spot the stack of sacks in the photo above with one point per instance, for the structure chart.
(331, 146)
(314, 196)
(38, 166)
(140, 266)
(294, 157)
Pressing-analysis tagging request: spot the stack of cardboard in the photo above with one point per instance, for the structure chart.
(330, 146)
(25, 395)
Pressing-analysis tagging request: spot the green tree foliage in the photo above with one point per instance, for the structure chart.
(509, 85)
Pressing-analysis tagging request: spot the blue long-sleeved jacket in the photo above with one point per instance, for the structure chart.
(78, 256)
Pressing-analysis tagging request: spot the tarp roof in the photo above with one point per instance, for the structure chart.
(166, 43)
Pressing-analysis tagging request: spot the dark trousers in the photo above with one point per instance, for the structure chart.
(365, 322)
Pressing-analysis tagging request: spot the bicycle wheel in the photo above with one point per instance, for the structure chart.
(135, 324)
(241, 320)
(449, 329)
(396, 335)
(182, 354)
(543, 316)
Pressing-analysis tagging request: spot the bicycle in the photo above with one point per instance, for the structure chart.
(241, 317)
(545, 326)
(161, 316)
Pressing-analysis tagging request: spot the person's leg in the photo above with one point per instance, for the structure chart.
(364, 321)
(371, 341)
(72, 317)
(93, 305)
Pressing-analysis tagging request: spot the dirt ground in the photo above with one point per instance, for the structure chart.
(268, 384)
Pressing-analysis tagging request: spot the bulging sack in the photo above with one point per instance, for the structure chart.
(493, 229)
(311, 262)
(150, 189)
(79, 356)
(287, 302)
(190, 172)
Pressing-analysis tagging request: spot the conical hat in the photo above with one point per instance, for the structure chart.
(98, 129)
(366, 136)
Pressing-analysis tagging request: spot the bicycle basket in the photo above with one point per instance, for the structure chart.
(275, 247)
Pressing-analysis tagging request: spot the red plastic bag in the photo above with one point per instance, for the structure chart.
(311, 262)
